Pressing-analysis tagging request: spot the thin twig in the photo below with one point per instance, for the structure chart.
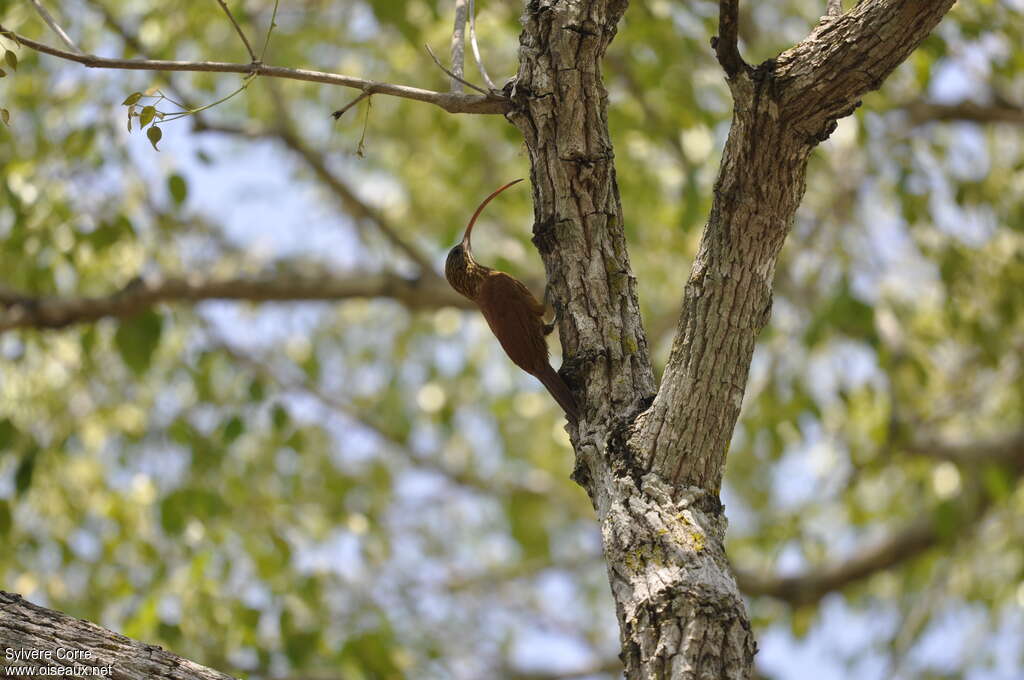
(476, 49)
(726, 43)
(286, 135)
(461, 80)
(54, 26)
(341, 112)
(270, 30)
(361, 147)
(238, 29)
(449, 101)
(459, 46)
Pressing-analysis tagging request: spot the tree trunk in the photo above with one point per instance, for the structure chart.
(652, 461)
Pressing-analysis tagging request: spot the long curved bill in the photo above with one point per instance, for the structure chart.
(472, 220)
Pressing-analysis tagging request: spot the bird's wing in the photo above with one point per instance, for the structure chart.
(516, 318)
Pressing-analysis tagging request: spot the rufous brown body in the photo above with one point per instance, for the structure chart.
(515, 316)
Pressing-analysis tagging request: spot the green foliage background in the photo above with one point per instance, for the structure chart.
(357, 490)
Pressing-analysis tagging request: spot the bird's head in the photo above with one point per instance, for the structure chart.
(460, 263)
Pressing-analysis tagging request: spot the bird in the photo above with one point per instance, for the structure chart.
(515, 316)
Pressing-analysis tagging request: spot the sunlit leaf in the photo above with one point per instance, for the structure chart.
(137, 339)
(154, 134)
(178, 188)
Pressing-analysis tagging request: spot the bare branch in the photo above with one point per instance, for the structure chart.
(845, 57)
(449, 101)
(726, 43)
(459, 46)
(24, 311)
(924, 112)
(238, 29)
(341, 112)
(54, 26)
(476, 49)
(27, 626)
(811, 586)
(1006, 449)
(455, 77)
(918, 536)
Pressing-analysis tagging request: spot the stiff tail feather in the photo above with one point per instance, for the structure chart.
(560, 391)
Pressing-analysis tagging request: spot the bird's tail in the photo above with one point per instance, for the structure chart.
(560, 391)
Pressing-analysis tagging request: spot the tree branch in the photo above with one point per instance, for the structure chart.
(924, 112)
(845, 57)
(452, 102)
(452, 75)
(916, 538)
(23, 311)
(1006, 449)
(25, 626)
(459, 46)
(54, 26)
(810, 586)
(238, 29)
(341, 112)
(476, 49)
(783, 109)
(726, 43)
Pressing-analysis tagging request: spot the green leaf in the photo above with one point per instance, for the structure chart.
(256, 390)
(146, 117)
(154, 133)
(3, 73)
(133, 98)
(109, 233)
(300, 645)
(137, 338)
(280, 417)
(178, 187)
(12, 60)
(181, 505)
(948, 517)
(371, 651)
(526, 514)
(26, 468)
(8, 434)
(233, 429)
(5, 115)
(998, 482)
(5, 518)
(801, 621)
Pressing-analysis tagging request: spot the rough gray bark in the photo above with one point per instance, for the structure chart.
(653, 468)
(60, 641)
